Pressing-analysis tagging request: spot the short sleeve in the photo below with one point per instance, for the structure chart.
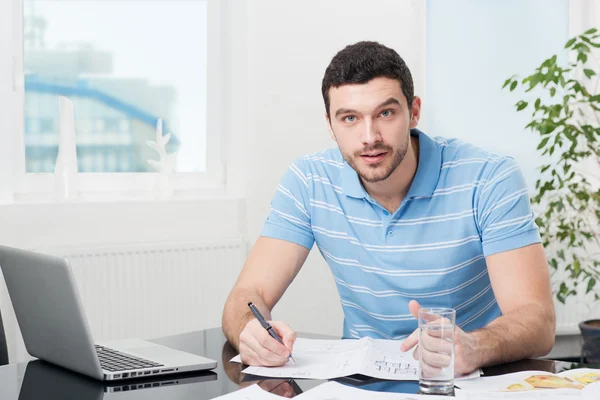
(289, 218)
(504, 215)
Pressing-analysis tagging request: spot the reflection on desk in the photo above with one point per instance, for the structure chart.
(46, 381)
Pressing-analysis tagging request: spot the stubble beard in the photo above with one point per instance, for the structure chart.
(378, 172)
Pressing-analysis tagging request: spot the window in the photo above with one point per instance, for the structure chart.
(124, 64)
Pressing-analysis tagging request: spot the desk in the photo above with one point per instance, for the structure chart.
(50, 383)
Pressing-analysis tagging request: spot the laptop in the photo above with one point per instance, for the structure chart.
(50, 314)
(46, 381)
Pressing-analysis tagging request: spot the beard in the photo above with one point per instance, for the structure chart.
(382, 170)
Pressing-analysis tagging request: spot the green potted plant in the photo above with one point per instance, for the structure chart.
(566, 116)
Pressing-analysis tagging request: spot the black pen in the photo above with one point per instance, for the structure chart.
(266, 325)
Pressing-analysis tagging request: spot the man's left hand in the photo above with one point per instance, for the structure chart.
(465, 351)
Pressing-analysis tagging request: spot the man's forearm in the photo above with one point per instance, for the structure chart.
(523, 333)
(236, 313)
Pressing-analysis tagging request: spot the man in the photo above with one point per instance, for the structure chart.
(400, 216)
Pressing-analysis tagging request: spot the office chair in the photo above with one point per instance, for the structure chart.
(3, 347)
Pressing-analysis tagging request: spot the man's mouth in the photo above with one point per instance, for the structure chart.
(373, 158)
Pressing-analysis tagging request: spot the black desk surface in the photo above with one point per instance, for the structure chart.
(38, 380)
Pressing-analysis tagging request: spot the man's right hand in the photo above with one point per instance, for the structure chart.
(258, 348)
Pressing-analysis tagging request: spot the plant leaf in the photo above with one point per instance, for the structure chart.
(521, 105)
(543, 142)
(570, 43)
(589, 73)
(590, 285)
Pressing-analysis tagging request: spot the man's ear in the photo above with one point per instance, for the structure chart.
(415, 111)
(331, 134)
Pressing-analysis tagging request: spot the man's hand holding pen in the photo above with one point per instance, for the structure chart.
(259, 347)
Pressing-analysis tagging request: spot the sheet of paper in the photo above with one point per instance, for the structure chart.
(508, 382)
(559, 394)
(318, 359)
(523, 381)
(388, 362)
(584, 376)
(253, 392)
(337, 391)
(328, 359)
(590, 392)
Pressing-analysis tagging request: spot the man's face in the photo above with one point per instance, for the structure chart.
(371, 124)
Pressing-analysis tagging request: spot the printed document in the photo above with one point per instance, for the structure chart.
(328, 359)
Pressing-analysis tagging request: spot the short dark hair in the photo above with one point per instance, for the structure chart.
(360, 62)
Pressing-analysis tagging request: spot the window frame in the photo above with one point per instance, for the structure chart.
(119, 185)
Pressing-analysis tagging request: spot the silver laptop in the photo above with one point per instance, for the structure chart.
(50, 314)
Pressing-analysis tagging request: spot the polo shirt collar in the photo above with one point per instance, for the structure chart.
(425, 180)
(429, 167)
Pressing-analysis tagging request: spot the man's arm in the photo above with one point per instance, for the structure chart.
(517, 268)
(269, 269)
(272, 265)
(521, 284)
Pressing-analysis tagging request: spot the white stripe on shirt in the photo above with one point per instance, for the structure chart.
(395, 272)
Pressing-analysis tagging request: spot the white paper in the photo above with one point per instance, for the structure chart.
(559, 394)
(253, 392)
(590, 392)
(337, 391)
(581, 383)
(575, 379)
(328, 359)
(319, 359)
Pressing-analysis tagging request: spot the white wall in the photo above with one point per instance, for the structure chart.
(289, 46)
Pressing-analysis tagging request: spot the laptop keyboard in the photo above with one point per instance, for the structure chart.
(113, 360)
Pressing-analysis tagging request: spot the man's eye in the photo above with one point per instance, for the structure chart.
(387, 113)
(350, 118)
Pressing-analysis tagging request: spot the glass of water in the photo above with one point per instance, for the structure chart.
(436, 350)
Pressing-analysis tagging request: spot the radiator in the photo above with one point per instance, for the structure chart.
(152, 290)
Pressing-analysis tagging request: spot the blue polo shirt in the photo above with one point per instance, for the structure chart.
(464, 204)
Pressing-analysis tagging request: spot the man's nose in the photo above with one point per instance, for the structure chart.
(370, 134)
